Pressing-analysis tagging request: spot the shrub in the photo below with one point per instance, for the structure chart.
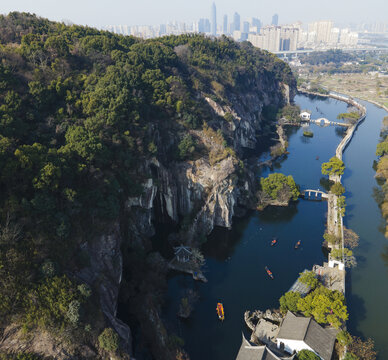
(84, 290)
(307, 355)
(344, 338)
(108, 340)
(73, 313)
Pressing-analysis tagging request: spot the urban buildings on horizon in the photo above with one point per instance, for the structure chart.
(317, 35)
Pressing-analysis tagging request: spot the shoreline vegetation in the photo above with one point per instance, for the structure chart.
(381, 167)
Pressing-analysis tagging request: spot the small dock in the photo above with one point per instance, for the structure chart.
(299, 287)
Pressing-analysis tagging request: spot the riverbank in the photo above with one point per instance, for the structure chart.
(235, 259)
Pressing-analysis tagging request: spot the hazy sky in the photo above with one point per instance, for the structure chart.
(152, 12)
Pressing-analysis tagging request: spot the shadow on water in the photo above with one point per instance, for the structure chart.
(221, 242)
(276, 214)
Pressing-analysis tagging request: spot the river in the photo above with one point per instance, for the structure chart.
(235, 259)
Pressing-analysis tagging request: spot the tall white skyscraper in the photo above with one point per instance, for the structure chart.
(214, 20)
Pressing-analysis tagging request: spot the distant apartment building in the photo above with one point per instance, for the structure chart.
(322, 30)
(276, 38)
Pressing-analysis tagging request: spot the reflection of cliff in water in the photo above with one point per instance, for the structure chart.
(221, 242)
(278, 214)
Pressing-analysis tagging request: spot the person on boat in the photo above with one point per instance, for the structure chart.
(274, 241)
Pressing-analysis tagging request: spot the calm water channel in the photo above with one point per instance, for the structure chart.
(235, 259)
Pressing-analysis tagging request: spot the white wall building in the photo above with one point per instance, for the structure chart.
(298, 333)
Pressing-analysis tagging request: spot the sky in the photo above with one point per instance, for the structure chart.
(152, 12)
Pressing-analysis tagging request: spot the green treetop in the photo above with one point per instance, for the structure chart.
(280, 186)
(335, 166)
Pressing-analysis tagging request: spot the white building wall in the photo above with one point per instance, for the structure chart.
(294, 345)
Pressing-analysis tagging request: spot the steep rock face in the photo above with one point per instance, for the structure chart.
(106, 268)
(246, 110)
(208, 194)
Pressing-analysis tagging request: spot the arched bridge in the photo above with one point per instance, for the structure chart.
(326, 122)
(310, 194)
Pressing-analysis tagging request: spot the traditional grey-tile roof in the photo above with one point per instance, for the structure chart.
(253, 352)
(308, 330)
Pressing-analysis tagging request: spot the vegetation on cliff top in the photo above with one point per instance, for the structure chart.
(80, 110)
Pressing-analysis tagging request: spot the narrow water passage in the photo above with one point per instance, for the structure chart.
(236, 258)
(367, 284)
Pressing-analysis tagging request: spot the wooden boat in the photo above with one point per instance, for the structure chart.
(297, 244)
(269, 272)
(274, 241)
(220, 311)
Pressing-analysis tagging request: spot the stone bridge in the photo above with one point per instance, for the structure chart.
(311, 194)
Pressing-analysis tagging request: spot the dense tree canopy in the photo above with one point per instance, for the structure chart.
(334, 167)
(80, 110)
(280, 186)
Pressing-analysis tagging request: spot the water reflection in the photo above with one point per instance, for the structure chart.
(278, 214)
(221, 242)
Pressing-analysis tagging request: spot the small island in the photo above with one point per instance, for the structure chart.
(308, 133)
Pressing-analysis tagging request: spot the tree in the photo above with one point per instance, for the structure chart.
(363, 349)
(382, 148)
(309, 278)
(349, 259)
(344, 338)
(337, 189)
(289, 301)
(307, 355)
(331, 238)
(326, 306)
(335, 166)
(350, 238)
(279, 186)
(109, 340)
(186, 147)
(341, 205)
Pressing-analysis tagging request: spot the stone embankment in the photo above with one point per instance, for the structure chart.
(334, 219)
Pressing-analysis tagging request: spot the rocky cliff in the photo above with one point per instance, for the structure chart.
(106, 137)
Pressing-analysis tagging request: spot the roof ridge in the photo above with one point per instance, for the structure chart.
(307, 328)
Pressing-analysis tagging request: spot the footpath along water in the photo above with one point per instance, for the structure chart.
(236, 259)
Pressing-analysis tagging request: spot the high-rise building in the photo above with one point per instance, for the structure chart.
(256, 23)
(275, 20)
(225, 25)
(204, 26)
(214, 20)
(236, 22)
(245, 28)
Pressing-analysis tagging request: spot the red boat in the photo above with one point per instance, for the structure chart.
(274, 241)
(220, 311)
(297, 244)
(269, 272)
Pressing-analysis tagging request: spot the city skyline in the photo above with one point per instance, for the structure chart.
(152, 12)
